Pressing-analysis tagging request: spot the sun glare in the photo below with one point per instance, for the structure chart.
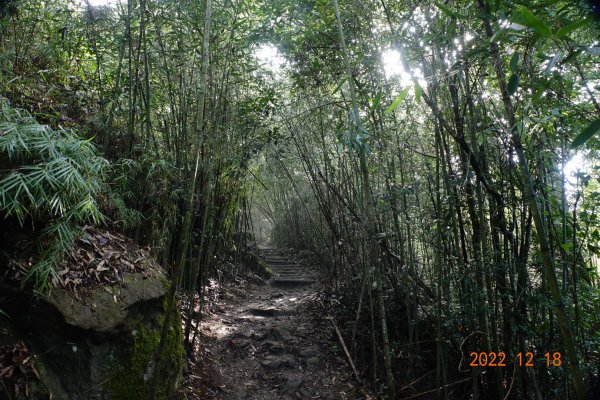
(270, 58)
(96, 3)
(394, 69)
(576, 164)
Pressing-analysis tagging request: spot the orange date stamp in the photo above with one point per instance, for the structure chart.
(527, 359)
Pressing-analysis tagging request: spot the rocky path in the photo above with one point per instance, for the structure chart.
(271, 341)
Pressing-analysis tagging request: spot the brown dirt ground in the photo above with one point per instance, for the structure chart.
(263, 342)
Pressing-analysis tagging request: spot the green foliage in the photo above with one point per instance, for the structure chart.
(514, 62)
(51, 178)
(7, 8)
(119, 192)
(258, 266)
(398, 100)
(586, 134)
(448, 11)
(129, 383)
(565, 31)
(513, 84)
(355, 137)
(418, 91)
(532, 21)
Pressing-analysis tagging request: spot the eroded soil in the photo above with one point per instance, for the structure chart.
(270, 341)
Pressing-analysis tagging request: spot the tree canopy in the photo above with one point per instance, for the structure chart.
(437, 159)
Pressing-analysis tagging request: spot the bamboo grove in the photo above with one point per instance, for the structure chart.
(177, 125)
(460, 232)
(433, 196)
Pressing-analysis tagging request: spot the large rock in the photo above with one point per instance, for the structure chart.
(107, 309)
(99, 344)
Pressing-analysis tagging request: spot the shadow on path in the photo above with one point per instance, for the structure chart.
(270, 342)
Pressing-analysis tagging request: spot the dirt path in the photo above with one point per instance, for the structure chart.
(271, 342)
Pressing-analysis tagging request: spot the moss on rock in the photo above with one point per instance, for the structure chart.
(143, 342)
(259, 266)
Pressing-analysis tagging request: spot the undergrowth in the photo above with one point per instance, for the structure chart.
(50, 179)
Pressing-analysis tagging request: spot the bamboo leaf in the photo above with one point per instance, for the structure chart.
(572, 28)
(534, 22)
(498, 35)
(586, 134)
(448, 11)
(339, 86)
(418, 91)
(398, 100)
(513, 84)
(376, 101)
(538, 94)
(514, 62)
(567, 246)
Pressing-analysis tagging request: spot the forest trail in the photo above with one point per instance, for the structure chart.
(272, 341)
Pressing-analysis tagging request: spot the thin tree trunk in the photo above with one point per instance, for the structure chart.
(187, 220)
(537, 215)
(371, 224)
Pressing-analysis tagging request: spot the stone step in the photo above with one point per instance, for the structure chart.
(294, 271)
(278, 264)
(285, 281)
(290, 283)
(297, 272)
(269, 312)
(288, 274)
(293, 274)
(283, 264)
(280, 260)
(300, 270)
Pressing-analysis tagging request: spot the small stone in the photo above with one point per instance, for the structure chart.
(293, 383)
(274, 347)
(275, 362)
(259, 336)
(313, 361)
(241, 395)
(279, 333)
(303, 394)
(309, 352)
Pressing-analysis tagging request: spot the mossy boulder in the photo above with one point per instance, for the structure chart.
(99, 344)
(107, 308)
(258, 266)
(133, 380)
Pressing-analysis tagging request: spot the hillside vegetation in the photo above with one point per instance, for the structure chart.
(435, 162)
